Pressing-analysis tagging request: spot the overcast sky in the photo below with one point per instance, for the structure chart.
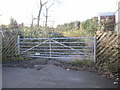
(66, 11)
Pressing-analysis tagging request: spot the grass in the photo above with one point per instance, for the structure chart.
(78, 62)
(8, 58)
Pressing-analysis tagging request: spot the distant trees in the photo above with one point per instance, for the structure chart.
(91, 25)
(3, 27)
(77, 28)
(69, 26)
(13, 24)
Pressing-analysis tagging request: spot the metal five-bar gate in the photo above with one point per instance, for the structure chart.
(65, 47)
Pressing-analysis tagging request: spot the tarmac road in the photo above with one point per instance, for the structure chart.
(51, 76)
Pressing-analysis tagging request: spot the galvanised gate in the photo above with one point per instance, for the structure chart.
(65, 47)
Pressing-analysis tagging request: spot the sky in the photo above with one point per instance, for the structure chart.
(63, 12)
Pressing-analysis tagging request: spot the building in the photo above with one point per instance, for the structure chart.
(107, 21)
(117, 28)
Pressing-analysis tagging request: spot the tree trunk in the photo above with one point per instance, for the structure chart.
(46, 18)
(38, 21)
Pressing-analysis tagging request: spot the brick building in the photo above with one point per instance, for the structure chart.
(117, 28)
(107, 21)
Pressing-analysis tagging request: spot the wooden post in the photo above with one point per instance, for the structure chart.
(94, 49)
(18, 44)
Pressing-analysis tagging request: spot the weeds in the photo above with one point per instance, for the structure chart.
(78, 62)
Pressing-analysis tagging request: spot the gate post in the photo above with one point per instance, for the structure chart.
(50, 46)
(94, 49)
(18, 44)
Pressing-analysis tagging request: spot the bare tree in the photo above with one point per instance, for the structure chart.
(32, 21)
(40, 10)
(41, 4)
(47, 9)
(46, 16)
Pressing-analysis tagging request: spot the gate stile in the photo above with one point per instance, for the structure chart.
(66, 47)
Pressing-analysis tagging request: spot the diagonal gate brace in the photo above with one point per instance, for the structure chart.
(67, 46)
(34, 46)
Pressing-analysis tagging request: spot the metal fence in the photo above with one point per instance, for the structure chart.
(66, 47)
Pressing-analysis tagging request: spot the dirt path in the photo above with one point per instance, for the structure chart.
(48, 75)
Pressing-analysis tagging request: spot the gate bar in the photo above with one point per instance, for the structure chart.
(56, 38)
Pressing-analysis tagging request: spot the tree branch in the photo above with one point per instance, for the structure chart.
(44, 3)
